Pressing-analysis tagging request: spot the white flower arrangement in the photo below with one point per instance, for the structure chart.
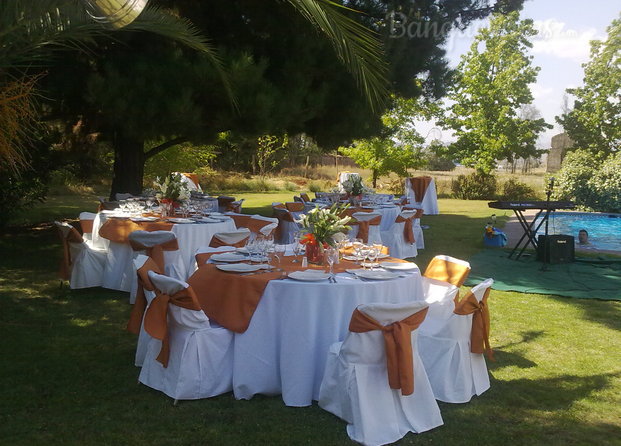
(173, 189)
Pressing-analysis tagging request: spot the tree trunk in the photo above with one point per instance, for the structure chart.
(374, 178)
(129, 158)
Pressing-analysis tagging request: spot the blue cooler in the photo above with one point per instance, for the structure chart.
(497, 239)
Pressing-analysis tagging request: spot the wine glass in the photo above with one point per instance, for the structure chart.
(357, 246)
(297, 247)
(331, 254)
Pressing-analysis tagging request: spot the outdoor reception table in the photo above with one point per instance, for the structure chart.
(283, 347)
(190, 236)
(388, 212)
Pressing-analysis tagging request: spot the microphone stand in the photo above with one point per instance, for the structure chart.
(546, 242)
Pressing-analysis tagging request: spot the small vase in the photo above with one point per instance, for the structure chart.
(314, 253)
(355, 200)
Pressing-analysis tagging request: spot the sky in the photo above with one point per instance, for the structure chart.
(565, 29)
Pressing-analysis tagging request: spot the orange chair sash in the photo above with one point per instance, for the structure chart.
(156, 252)
(73, 236)
(408, 232)
(419, 186)
(294, 206)
(217, 242)
(86, 226)
(479, 334)
(144, 283)
(241, 221)
(450, 272)
(156, 317)
(363, 227)
(398, 344)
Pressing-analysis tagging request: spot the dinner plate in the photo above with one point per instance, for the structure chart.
(309, 275)
(139, 219)
(374, 274)
(180, 220)
(208, 220)
(229, 257)
(240, 267)
(395, 266)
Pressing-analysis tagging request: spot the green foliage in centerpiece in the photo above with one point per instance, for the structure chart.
(322, 224)
(172, 190)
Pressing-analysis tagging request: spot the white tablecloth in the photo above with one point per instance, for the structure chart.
(285, 347)
(389, 215)
(430, 200)
(119, 271)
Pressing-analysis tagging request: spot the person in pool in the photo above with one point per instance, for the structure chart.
(583, 237)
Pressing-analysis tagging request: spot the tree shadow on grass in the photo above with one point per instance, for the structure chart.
(505, 358)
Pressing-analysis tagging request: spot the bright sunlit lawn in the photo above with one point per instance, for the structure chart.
(68, 375)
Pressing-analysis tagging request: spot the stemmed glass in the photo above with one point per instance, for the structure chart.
(331, 254)
(357, 245)
(297, 247)
(372, 254)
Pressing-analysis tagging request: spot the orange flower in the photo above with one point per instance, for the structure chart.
(308, 239)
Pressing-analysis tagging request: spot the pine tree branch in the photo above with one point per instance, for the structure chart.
(159, 149)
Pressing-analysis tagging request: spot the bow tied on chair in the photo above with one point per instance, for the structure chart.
(479, 335)
(408, 231)
(156, 252)
(144, 283)
(363, 227)
(398, 344)
(156, 317)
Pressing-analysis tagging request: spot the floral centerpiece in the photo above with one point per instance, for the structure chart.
(171, 193)
(354, 188)
(320, 226)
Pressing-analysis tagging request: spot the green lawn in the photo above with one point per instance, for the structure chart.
(68, 378)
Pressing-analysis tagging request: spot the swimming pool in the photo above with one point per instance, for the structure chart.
(604, 229)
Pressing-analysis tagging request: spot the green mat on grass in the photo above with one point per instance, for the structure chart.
(586, 280)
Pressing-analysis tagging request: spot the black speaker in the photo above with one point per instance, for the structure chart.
(556, 249)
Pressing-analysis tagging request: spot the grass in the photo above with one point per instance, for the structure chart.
(68, 378)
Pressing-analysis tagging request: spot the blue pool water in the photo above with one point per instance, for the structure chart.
(604, 229)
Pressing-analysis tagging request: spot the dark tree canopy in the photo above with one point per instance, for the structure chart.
(285, 77)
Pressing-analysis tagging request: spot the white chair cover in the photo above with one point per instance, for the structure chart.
(233, 237)
(440, 296)
(87, 263)
(456, 374)
(86, 217)
(269, 228)
(355, 385)
(395, 239)
(429, 204)
(173, 263)
(200, 364)
(418, 230)
(189, 183)
(288, 229)
(143, 337)
(374, 230)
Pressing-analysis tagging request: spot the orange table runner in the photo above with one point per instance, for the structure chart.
(231, 299)
(118, 230)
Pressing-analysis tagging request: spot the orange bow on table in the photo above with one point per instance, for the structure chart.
(398, 344)
(156, 318)
(479, 335)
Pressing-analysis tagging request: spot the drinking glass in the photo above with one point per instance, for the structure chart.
(297, 247)
(331, 255)
(357, 245)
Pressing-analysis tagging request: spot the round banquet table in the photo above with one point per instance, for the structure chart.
(389, 215)
(119, 270)
(284, 349)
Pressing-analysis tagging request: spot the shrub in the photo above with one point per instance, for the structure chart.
(476, 186)
(515, 190)
(592, 181)
(440, 163)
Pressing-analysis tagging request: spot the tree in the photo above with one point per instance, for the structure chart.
(397, 149)
(491, 87)
(595, 121)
